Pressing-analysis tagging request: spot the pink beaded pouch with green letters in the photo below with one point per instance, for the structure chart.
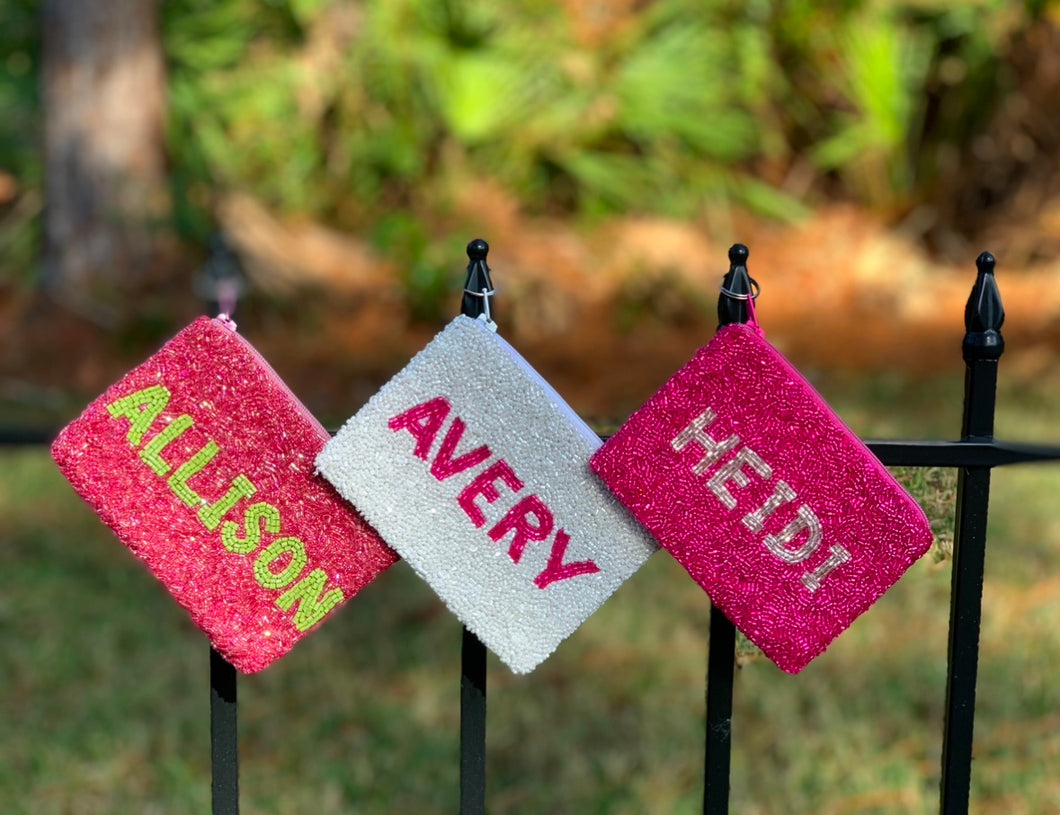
(201, 461)
(771, 503)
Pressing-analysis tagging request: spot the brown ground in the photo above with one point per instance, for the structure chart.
(606, 313)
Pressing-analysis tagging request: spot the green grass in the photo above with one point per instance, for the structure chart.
(104, 682)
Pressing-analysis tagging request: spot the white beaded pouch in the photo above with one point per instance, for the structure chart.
(476, 472)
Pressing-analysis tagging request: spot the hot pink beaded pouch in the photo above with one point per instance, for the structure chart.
(770, 502)
(201, 461)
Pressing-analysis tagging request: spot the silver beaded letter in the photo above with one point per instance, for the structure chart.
(837, 556)
(714, 449)
(732, 470)
(806, 520)
(782, 494)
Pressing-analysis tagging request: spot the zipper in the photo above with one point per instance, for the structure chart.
(229, 325)
(551, 394)
(819, 402)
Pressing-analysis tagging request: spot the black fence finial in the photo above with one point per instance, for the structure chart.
(984, 314)
(221, 281)
(736, 287)
(478, 281)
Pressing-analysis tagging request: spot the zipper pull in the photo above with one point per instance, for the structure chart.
(226, 321)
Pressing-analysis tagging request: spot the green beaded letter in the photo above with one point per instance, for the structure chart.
(263, 573)
(151, 453)
(141, 409)
(252, 518)
(312, 608)
(178, 482)
(241, 488)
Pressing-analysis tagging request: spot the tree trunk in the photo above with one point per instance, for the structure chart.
(107, 231)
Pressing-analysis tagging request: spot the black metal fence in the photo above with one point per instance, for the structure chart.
(974, 456)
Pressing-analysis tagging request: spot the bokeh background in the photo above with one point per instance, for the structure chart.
(338, 155)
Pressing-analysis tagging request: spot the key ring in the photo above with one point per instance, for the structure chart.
(755, 291)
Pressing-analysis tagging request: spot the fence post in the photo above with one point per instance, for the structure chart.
(219, 284)
(982, 347)
(478, 292)
(224, 741)
(736, 290)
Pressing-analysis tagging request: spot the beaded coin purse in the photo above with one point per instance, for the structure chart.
(474, 469)
(201, 461)
(771, 503)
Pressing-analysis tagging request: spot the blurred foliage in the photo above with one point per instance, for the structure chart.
(350, 110)
(21, 170)
(19, 94)
(371, 115)
(341, 109)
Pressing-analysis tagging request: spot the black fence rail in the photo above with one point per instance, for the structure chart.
(974, 455)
